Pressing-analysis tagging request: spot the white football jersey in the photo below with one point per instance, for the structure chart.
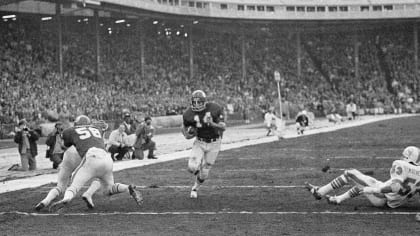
(409, 177)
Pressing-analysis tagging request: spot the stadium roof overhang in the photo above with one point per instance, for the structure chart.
(106, 9)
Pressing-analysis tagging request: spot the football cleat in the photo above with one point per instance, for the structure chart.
(314, 190)
(39, 206)
(135, 194)
(332, 200)
(56, 206)
(88, 201)
(193, 194)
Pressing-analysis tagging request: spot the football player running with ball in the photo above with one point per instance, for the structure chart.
(403, 184)
(96, 164)
(204, 121)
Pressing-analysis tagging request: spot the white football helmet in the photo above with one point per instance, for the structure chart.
(411, 154)
(82, 120)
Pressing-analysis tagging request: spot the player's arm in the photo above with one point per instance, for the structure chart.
(393, 186)
(220, 126)
(189, 132)
(67, 140)
(219, 122)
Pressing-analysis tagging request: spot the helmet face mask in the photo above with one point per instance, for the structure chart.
(198, 101)
(411, 154)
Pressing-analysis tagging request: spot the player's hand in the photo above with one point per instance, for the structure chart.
(370, 190)
(190, 132)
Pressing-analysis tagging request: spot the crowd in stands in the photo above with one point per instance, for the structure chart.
(31, 88)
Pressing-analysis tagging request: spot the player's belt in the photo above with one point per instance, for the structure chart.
(208, 140)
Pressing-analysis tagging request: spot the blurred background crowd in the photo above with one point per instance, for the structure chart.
(31, 88)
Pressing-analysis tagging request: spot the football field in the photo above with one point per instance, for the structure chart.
(254, 190)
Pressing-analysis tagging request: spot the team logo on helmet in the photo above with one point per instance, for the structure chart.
(411, 154)
(82, 120)
(198, 100)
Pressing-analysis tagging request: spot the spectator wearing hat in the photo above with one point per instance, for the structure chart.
(117, 143)
(55, 145)
(26, 138)
(144, 140)
(130, 128)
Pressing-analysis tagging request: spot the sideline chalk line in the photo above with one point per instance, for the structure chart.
(213, 213)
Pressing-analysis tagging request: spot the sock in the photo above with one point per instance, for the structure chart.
(118, 188)
(353, 192)
(69, 195)
(337, 183)
(94, 186)
(52, 194)
(197, 184)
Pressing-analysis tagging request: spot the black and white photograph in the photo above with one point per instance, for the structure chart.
(209, 117)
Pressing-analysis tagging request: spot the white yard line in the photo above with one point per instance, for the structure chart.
(401, 213)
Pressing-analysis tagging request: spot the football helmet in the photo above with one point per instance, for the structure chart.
(198, 101)
(82, 120)
(411, 154)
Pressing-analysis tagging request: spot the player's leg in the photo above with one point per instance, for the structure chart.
(85, 171)
(209, 159)
(105, 180)
(196, 157)
(360, 180)
(336, 183)
(210, 156)
(195, 164)
(71, 160)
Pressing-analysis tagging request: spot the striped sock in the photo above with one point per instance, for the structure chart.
(353, 192)
(337, 183)
(114, 189)
(118, 188)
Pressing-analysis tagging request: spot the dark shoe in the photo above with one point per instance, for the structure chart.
(314, 190)
(14, 167)
(135, 194)
(39, 206)
(88, 202)
(152, 157)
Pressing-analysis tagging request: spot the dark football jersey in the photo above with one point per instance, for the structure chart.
(83, 138)
(196, 119)
(302, 120)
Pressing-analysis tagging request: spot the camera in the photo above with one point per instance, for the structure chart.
(59, 130)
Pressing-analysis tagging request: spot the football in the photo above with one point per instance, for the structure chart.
(192, 130)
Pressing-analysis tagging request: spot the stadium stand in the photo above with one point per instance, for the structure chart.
(31, 87)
